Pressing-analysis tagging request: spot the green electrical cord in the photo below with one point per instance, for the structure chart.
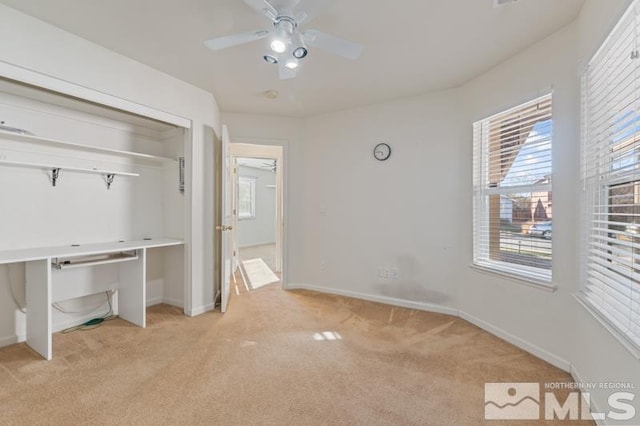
(94, 322)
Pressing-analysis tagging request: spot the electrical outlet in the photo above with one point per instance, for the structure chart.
(323, 265)
(385, 272)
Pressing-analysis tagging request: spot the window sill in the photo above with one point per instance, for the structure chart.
(620, 336)
(539, 284)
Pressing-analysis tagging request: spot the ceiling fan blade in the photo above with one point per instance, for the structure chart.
(332, 44)
(264, 8)
(285, 73)
(305, 10)
(235, 39)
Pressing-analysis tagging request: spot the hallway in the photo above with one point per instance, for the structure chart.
(257, 268)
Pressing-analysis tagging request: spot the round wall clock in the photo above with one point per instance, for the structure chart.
(382, 151)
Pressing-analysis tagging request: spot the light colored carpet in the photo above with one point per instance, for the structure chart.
(266, 252)
(275, 358)
(258, 273)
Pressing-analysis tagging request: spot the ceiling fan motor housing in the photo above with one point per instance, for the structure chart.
(286, 41)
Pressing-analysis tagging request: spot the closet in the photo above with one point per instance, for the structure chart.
(92, 213)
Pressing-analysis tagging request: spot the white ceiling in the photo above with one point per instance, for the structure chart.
(410, 46)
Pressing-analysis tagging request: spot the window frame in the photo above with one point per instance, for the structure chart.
(483, 190)
(252, 181)
(601, 176)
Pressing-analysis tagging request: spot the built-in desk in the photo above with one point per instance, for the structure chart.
(48, 266)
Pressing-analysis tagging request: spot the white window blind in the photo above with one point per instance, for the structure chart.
(512, 191)
(611, 179)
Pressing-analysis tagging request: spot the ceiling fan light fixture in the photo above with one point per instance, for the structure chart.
(278, 45)
(281, 36)
(298, 48)
(292, 63)
(270, 59)
(300, 52)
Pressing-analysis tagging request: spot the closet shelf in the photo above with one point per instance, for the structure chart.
(73, 169)
(153, 159)
(55, 170)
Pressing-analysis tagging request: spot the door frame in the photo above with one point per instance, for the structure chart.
(271, 149)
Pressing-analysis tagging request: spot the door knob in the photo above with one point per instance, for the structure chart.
(224, 228)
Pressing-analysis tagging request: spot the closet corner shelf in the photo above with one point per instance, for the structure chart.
(148, 158)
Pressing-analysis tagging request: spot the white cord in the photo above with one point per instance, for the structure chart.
(13, 295)
(23, 309)
(109, 293)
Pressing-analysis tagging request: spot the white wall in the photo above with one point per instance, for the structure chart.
(414, 211)
(36, 46)
(552, 325)
(401, 213)
(287, 132)
(260, 229)
(353, 214)
(541, 318)
(597, 356)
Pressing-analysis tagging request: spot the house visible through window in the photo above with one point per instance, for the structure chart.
(246, 197)
(512, 191)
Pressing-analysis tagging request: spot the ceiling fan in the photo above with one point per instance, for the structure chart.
(271, 165)
(288, 45)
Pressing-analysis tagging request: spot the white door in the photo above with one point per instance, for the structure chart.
(226, 226)
(235, 261)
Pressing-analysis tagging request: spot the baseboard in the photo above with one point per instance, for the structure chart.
(379, 299)
(12, 340)
(173, 302)
(166, 300)
(153, 301)
(543, 354)
(200, 310)
(593, 404)
(72, 323)
(496, 331)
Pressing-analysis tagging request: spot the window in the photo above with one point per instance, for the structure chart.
(512, 209)
(246, 197)
(611, 181)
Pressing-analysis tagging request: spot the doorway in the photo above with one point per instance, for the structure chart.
(257, 208)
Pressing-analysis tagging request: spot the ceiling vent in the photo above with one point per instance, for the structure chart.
(500, 3)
